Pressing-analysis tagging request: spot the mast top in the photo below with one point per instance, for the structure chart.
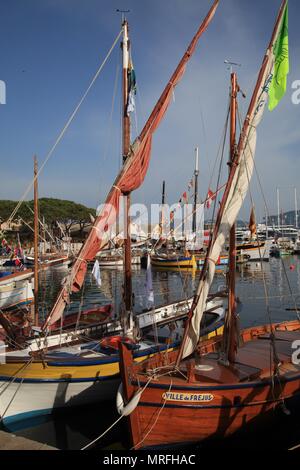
(123, 14)
(230, 65)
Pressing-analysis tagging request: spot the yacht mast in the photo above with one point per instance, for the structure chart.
(296, 208)
(231, 320)
(278, 209)
(36, 244)
(163, 200)
(125, 151)
(196, 173)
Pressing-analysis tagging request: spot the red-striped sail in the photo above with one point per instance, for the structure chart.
(130, 178)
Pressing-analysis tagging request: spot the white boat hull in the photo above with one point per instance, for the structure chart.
(256, 253)
(29, 400)
(117, 262)
(15, 293)
(22, 397)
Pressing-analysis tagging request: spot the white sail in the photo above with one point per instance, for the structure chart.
(238, 188)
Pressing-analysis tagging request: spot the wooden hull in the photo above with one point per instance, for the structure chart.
(16, 289)
(92, 316)
(174, 263)
(60, 381)
(222, 261)
(116, 261)
(211, 404)
(58, 261)
(195, 423)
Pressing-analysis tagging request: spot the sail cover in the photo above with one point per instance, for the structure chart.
(237, 186)
(130, 178)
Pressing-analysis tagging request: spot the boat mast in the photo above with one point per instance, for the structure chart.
(253, 117)
(231, 320)
(278, 208)
(196, 173)
(36, 243)
(163, 200)
(125, 151)
(136, 167)
(296, 209)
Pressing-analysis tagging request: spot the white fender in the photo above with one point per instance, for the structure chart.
(123, 409)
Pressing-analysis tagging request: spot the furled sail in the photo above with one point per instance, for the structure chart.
(130, 178)
(236, 188)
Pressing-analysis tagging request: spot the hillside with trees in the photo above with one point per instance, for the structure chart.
(68, 214)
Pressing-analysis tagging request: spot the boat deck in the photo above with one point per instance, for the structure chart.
(254, 361)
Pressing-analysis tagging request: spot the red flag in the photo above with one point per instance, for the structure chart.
(252, 224)
(209, 198)
(184, 197)
(19, 264)
(206, 237)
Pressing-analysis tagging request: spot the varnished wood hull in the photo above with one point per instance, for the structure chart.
(174, 411)
(183, 423)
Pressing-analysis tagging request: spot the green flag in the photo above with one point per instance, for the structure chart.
(281, 68)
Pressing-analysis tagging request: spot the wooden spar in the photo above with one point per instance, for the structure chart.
(75, 279)
(241, 145)
(232, 346)
(36, 244)
(126, 149)
(44, 236)
(196, 173)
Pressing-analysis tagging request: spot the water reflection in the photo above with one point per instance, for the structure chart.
(74, 428)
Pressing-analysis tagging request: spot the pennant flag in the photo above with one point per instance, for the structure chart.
(172, 220)
(252, 224)
(191, 184)
(131, 89)
(281, 68)
(209, 198)
(184, 198)
(149, 287)
(206, 237)
(19, 264)
(96, 273)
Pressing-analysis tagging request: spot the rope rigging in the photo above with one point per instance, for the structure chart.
(64, 129)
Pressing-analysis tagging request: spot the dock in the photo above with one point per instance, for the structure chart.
(10, 441)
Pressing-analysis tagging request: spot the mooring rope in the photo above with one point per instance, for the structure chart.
(66, 126)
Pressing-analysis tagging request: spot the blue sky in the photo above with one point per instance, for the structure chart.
(50, 49)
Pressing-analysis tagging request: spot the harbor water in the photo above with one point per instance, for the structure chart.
(76, 427)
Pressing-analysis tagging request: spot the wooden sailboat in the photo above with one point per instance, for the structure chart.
(68, 368)
(191, 256)
(16, 289)
(215, 388)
